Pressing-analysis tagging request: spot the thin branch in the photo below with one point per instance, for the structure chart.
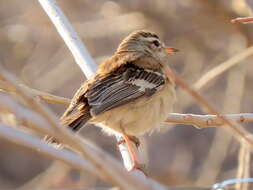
(29, 141)
(46, 96)
(243, 170)
(74, 43)
(204, 121)
(239, 131)
(43, 96)
(199, 121)
(226, 183)
(24, 116)
(223, 67)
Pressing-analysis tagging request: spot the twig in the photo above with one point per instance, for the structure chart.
(43, 96)
(236, 128)
(217, 153)
(199, 121)
(29, 141)
(243, 170)
(24, 117)
(221, 68)
(74, 43)
(204, 121)
(224, 184)
(46, 96)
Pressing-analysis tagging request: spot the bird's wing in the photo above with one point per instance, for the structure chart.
(78, 112)
(122, 86)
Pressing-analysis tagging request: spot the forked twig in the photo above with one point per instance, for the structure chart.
(239, 131)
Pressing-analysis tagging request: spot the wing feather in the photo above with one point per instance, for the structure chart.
(115, 89)
(120, 88)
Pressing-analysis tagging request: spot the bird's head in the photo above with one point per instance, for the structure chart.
(147, 44)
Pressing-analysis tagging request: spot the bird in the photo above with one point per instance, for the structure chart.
(130, 94)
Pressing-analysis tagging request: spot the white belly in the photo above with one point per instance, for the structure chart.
(139, 116)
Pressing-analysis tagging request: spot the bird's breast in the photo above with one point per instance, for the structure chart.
(141, 115)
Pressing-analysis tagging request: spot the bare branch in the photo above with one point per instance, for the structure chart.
(43, 96)
(199, 121)
(24, 116)
(46, 96)
(26, 140)
(74, 43)
(204, 121)
(223, 67)
(238, 131)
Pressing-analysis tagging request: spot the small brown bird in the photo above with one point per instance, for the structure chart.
(130, 94)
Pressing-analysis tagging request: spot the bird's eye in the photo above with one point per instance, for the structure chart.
(156, 43)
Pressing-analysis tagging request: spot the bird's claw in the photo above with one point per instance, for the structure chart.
(134, 139)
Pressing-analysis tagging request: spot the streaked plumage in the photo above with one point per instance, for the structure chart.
(129, 93)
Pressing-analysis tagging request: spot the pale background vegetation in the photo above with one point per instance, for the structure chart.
(181, 155)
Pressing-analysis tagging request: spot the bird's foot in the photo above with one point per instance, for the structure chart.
(133, 139)
(129, 140)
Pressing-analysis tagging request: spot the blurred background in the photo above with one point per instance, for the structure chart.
(180, 155)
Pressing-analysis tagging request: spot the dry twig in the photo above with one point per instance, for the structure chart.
(29, 141)
(239, 132)
(221, 68)
(199, 121)
(204, 121)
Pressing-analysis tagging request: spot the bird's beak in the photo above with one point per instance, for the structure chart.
(171, 50)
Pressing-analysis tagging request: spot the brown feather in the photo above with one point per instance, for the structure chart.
(136, 49)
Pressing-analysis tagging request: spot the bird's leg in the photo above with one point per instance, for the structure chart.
(128, 140)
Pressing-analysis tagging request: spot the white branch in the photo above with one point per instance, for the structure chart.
(26, 140)
(80, 53)
(204, 121)
(199, 121)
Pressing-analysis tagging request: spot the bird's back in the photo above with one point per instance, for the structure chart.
(113, 86)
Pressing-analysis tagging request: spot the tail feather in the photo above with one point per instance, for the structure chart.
(74, 121)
